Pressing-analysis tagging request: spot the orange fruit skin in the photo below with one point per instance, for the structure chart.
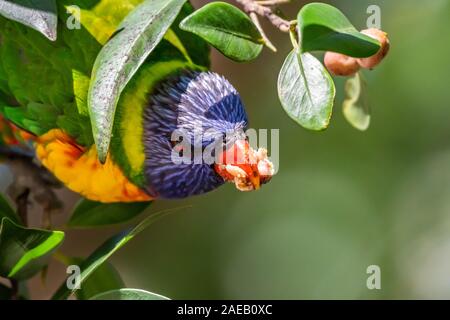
(373, 61)
(340, 64)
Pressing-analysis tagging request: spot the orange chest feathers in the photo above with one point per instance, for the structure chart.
(80, 171)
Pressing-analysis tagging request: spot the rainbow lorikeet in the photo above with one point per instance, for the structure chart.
(43, 94)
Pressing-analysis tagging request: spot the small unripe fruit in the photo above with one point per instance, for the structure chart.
(340, 64)
(373, 61)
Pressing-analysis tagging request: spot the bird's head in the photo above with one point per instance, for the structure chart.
(194, 138)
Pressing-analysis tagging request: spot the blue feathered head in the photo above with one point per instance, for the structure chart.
(190, 116)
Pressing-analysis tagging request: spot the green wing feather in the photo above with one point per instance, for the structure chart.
(43, 84)
(37, 77)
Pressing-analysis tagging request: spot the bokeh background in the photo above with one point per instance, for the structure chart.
(342, 200)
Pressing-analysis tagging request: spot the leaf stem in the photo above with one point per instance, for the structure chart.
(293, 37)
(267, 41)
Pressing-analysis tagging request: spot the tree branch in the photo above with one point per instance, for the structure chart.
(31, 181)
(14, 154)
(263, 9)
(22, 211)
(22, 206)
(271, 2)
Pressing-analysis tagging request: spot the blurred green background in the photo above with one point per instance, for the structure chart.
(342, 200)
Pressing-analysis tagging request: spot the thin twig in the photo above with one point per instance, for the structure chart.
(32, 178)
(262, 8)
(272, 2)
(14, 153)
(250, 6)
(22, 206)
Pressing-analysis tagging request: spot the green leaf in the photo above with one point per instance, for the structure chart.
(99, 256)
(356, 107)
(227, 29)
(105, 278)
(306, 91)
(128, 294)
(120, 58)
(6, 210)
(25, 251)
(198, 49)
(94, 214)
(40, 15)
(324, 28)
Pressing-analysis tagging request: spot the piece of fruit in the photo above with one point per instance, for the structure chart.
(340, 64)
(373, 61)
